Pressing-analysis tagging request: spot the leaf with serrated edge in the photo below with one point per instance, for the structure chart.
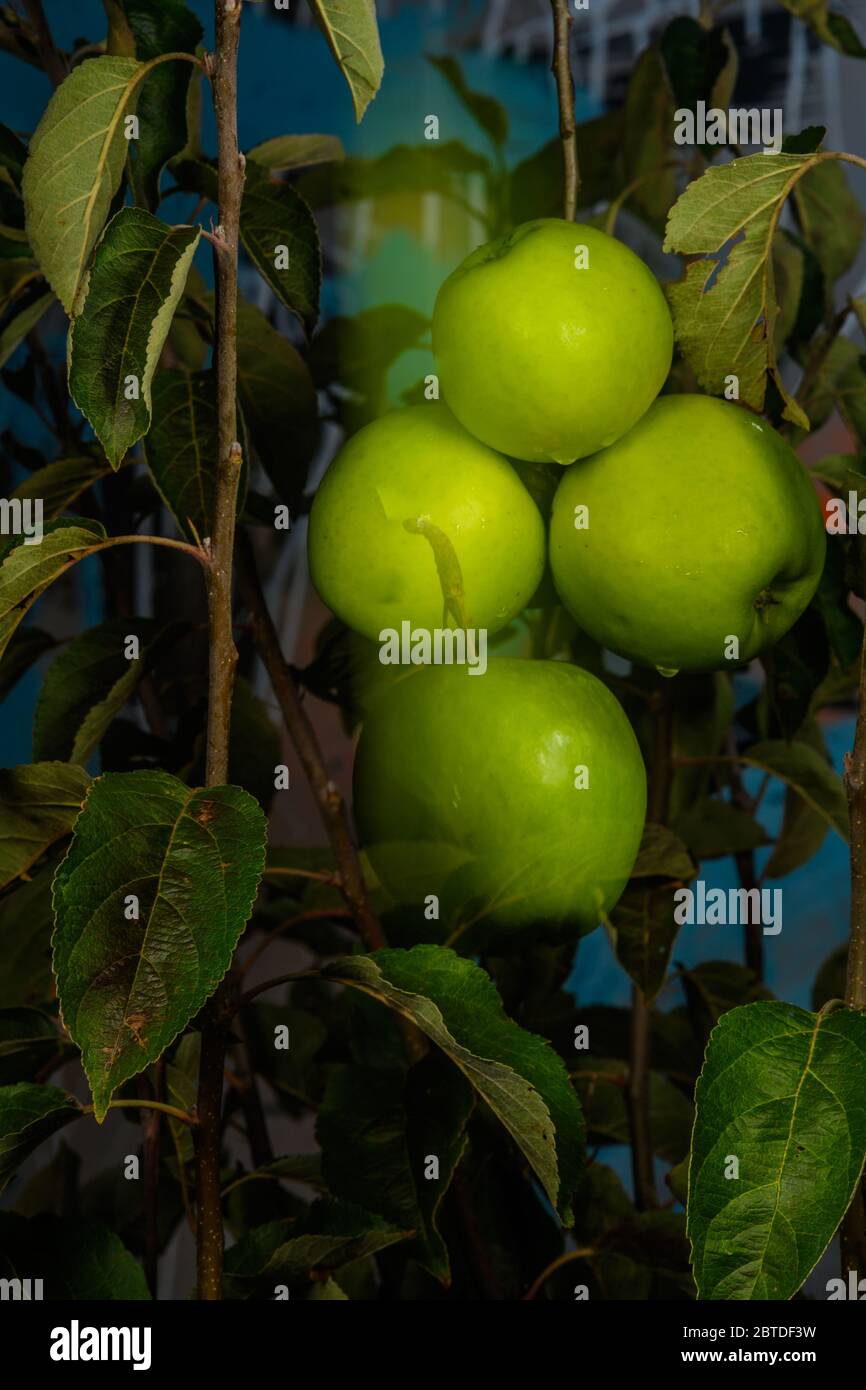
(782, 1090)
(518, 1074)
(193, 858)
(29, 1114)
(353, 38)
(729, 328)
(27, 570)
(39, 803)
(75, 166)
(122, 316)
(274, 215)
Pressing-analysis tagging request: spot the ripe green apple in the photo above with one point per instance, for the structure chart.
(516, 797)
(698, 527)
(401, 489)
(552, 341)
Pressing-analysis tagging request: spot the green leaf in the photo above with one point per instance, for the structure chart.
(729, 328)
(27, 570)
(27, 1039)
(75, 166)
(377, 1131)
(834, 29)
(427, 168)
(830, 979)
(19, 325)
(330, 1235)
(803, 769)
(831, 221)
(38, 805)
(295, 152)
(82, 1261)
(694, 58)
(122, 316)
(28, 1115)
(276, 223)
(648, 132)
(193, 859)
(519, 1076)
(88, 684)
(353, 38)
(26, 647)
(535, 185)
(278, 400)
(788, 265)
(489, 113)
(714, 987)
(160, 26)
(662, 854)
(358, 353)
(643, 930)
(62, 482)
(26, 951)
(804, 829)
(181, 448)
(712, 828)
(781, 1090)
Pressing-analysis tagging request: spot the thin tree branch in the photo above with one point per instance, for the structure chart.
(332, 807)
(222, 653)
(51, 59)
(561, 69)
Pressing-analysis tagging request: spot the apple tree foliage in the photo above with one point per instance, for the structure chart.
(127, 888)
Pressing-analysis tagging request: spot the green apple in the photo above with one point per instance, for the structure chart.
(552, 341)
(695, 541)
(407, 499)
(515, 798)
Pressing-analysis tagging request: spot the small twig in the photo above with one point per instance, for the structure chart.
(561, 69)
(584, 1252)
(51, 59)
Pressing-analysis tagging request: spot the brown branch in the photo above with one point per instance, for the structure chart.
(222, 653)
(332, 807)
(561, 69)
(51, 60)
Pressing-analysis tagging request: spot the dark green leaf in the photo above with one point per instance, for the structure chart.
(830, 980)
(694, 59)
(781, 1091)
(834, 29)
(489, 113)
(293, 1071)
(712, 828)
(89, 683)
(277, 226)
(518, 1075)
(353, 37)
(19, 324)
(831, 220)
(716, 986)
(62, 482)
(378, 1132)
(82, 1261)
(648, 133)
(535, 186)
(803, 769)
(38, 804)
(193, 859)
(26, 921)
(357, 353)
(181, 448)
(432, 167)
(278, 400)
(122, 316)
(26, 647)
(28, 1039)
(644, 930)
(601, 1085)
(161, 26)
(28, 1115)
(330, 1235)
(662, 854)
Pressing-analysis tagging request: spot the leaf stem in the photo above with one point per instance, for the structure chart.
(583, 1252)
(222, 660)
(140, 1104)
(561, 69)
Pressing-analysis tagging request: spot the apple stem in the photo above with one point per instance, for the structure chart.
(561, 69)
(447, 568)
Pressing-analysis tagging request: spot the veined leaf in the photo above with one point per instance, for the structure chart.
(62, 482)
(643, 931)
(38, 805)
(278, 400)
(295, 152)
(781, 1092)
(158, 27)
(181, 448)
(329, 1235)
(808, 773)
(489, 113)
(831, 220)
(353, 38)
(29, 1114)
(88, 685)
(376, 1129)
(122, 316)
(27, 570)
(193, 859)
(280, 236)
(519, 1075)
(729, 328)
(75, 166)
